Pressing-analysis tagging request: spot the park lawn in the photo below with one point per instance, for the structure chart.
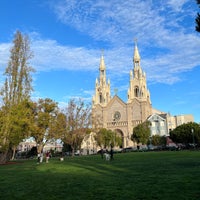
(137, 175)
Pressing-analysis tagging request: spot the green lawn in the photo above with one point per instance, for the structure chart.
(139, 175)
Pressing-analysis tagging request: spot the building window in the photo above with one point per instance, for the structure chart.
(102, 72)
(100, 98)
(136, 91)
(161, 123)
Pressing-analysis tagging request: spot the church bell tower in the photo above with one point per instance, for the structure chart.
(138, 86)
(138, 91)
(102, 88)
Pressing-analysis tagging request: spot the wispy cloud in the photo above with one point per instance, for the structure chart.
(157, 25)
(4, 54)
(167, 48)
(49, 55)
(177, 5)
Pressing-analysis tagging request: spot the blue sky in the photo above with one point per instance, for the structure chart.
(67, 37)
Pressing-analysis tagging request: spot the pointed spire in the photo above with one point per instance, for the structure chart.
(102, 88)
(102, 63)
(136, 57)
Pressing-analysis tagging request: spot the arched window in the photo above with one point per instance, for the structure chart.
(137, 64)
(102, 72)
(100, 98)
(136, 91)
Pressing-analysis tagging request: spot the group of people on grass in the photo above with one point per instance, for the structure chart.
(40, 157)
(108, 155)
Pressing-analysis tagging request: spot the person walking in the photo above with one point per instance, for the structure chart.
(38, 158)
(101, 153)
(47, 156)
(41, 157)
(111, 153)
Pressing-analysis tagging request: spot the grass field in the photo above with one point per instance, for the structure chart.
(139, 175)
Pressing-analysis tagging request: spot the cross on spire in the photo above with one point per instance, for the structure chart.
(102, 52)
(135, 40)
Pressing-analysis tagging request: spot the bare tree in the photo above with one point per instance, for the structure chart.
(77, 123)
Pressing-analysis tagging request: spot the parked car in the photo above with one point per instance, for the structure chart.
(127, 149)
(77, 153)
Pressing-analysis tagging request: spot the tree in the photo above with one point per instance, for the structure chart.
(106, 138)
(197, 20)
(157, 140)
(58, 126)
(16, 96)
(13, 128)
(77, 123)
(141, 133)
(46, 113)
(183, 133)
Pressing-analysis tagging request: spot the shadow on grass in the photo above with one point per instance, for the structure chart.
(146, 175)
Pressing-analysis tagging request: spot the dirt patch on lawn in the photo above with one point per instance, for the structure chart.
(10, 163)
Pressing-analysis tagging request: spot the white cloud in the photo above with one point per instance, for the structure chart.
(182, 55)
(167, 47)
(4, 54)
(49, 55)
(104, 20)
(177, 5)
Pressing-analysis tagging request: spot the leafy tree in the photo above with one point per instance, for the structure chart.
(197, 20)
(15, 95)
(43, 130)
(183, 133)
(58, 126)
(77, 123)
(106, 138)
(157, 140)
(13, 128)
(141, 133)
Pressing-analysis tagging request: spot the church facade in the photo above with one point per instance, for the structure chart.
(115, 114)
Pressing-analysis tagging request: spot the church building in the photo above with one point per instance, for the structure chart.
(115, 114)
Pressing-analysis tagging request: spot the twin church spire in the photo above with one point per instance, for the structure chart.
(138, 84)
(137, 88)
(136, 56)
(102, 87)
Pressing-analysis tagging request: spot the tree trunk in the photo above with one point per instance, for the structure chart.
(40, 148)
(72, 151)
(13, 153)
(5, 156)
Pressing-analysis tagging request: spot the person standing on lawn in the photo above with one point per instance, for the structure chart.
(47, 156)
(111, 153)
(41, 157)
(101, 153)
(38, 158)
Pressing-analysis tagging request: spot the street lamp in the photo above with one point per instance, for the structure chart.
(192, 130)
(150, 138)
